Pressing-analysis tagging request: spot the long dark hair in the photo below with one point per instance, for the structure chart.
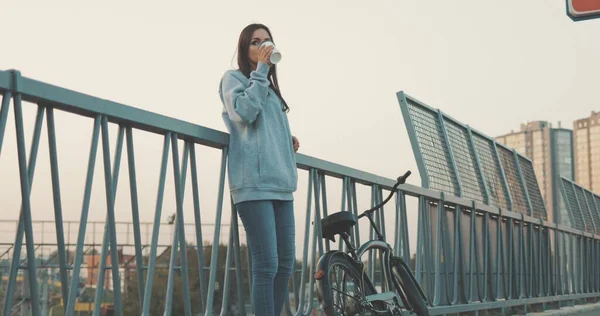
(244, 61)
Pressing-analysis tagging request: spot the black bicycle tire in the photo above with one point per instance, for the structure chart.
(343, 259)
(410, 289)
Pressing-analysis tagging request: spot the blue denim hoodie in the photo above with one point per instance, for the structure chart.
(262, 162)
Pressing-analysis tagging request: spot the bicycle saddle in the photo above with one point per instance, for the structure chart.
(337, 223)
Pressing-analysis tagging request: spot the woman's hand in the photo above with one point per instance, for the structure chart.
(264, 54)
(296, 143)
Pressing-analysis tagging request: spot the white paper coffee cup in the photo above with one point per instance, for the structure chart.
(275, 54)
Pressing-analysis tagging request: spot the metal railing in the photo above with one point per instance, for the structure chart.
(469, 255)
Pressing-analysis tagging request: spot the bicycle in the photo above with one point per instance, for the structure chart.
(403, 291)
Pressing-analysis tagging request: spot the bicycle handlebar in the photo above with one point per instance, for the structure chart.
(399, 181)
(402, 179)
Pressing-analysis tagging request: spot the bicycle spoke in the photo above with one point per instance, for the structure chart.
(346, 287)
(341, 292)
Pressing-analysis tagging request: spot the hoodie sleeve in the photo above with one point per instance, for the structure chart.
(244, 103)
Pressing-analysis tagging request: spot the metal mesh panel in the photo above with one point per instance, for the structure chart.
(563, 210)
(491, 172)
(593, 210)
(472, 184)
(517, 191)
(585, 212)
(533, 189)
(572, 205)
(597, 199)
(433, 148)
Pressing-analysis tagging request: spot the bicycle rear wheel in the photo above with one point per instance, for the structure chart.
(342, 287)
(406, 283)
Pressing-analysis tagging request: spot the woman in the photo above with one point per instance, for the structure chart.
(262, 166)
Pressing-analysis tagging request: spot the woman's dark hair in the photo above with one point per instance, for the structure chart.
(244, 61)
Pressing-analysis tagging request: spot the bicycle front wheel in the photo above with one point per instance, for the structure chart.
(408, 285)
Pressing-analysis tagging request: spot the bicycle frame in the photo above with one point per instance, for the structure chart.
(386, 252)
(390, 295)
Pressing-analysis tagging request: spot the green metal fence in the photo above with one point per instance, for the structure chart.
(482, 239)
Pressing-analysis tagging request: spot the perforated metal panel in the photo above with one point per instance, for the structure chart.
(585, 212)
(572, 205)
(597, 200)
(490, 166)
(517, 191)
(464, 157)
(589, 197)
(434, 149)
(538, 207)
(452, 161)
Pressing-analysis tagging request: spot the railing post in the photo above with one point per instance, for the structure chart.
(106, 237)
(156, 227)
(139, 263)
(58, 217)
(216, 238)
(179, 235)
(25, 222)
(6, 97)
(198, 226)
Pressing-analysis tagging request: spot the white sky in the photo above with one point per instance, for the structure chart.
(489, 65)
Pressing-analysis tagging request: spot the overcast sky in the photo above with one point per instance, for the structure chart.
(490, 65)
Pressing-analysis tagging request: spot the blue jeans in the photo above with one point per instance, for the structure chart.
(270, 233)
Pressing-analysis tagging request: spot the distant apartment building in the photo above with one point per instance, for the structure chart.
(551, 153)
(587, 152)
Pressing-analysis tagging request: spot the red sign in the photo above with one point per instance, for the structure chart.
(583, 9)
